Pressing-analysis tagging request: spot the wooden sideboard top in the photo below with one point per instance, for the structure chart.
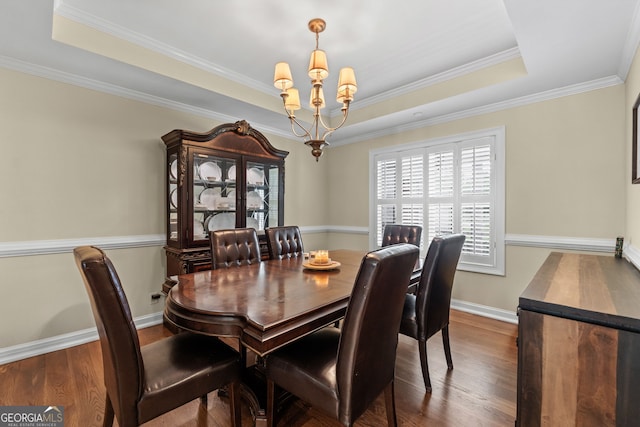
(603, 290)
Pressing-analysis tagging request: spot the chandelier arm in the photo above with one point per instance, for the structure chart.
(294, 122)
(324, 125)
(329, 130)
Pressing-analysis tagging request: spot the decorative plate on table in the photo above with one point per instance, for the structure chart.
(332, 265)
(210, 171)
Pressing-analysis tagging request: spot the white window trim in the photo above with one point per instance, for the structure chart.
(498, 134)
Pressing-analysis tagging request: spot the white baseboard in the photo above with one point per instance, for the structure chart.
(485, 311)
(561, 242)
(71, 339)
(632, 254)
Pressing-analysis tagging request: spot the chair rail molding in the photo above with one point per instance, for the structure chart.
(47, 247)
(59, 246)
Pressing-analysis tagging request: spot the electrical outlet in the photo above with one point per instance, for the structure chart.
(155, 297)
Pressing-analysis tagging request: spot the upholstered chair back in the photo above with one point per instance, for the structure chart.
(367, 351)
(433, 297)
(398, 233)
(121, 357)
(284, 242)
(234, 247)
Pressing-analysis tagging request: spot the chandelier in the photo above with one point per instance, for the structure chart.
(318, 71)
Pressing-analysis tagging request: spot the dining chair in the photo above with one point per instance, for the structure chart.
(399, 233)
(144, 382)
(284, 242)
(427, 312)
(234, 247)
(342, 371)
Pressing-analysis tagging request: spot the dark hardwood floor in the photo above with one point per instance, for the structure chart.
(480, 391)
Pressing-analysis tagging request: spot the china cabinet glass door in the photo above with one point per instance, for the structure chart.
(262, 198)
(172, 232)
(214, 194)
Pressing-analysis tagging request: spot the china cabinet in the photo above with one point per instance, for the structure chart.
(229, 177)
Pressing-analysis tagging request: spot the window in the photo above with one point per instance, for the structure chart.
(448, 185)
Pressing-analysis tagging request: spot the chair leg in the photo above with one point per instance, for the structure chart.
(271, 397)
(234, 404)
(447, 347)
(390, 403)
(204, 401)
(422, 348)
(108, 413)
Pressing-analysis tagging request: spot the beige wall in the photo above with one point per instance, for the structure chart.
(78, 163)
(564, 177)
(633, 190)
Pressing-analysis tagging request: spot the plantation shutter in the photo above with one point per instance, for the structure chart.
(451, 186)
(476, 200)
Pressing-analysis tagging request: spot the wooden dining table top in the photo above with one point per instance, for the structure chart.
(265, 305)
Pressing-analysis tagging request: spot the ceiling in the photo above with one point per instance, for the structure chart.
(418, 63)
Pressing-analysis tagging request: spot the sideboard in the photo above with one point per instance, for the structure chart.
(579, 343)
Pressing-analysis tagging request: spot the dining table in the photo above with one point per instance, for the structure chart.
(268, 304)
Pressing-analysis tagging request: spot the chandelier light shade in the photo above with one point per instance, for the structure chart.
(318, 71)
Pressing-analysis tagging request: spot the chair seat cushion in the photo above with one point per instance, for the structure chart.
(409, 324)
(172, 365)
(307, 368)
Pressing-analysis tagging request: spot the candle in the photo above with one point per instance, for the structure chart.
(322, 257)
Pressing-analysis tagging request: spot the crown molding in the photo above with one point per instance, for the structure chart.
(70, 12)
(451, 74)
(62, 76)
(631, 44)
(75, 80)
(65, 10)
(486, 109)
(111, 89)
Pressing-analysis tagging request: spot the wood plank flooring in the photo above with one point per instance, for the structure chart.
(479, 391)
